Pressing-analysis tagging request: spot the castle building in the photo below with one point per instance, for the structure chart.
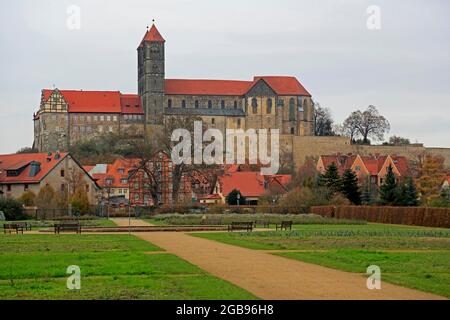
(266, 102)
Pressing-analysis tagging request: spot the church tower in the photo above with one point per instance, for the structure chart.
(151, 64)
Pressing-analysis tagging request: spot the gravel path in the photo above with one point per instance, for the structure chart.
(272, 277)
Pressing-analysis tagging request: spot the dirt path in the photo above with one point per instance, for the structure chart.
(123, 222)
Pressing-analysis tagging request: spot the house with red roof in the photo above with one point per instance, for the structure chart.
(374, 168)
(251, 185)
(20, 173)
(113, 179)
(263, 102)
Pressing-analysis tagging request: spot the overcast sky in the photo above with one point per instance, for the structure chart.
(403, 68)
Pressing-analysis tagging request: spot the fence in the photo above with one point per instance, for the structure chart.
(416, 216)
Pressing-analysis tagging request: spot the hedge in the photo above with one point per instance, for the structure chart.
(415, 216)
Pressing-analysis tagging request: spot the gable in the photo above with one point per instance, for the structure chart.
(261, 88)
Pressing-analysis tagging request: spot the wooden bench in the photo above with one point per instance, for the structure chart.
(247, 226)
(25, 225)
(262, 223)
(284, 225)
(10, 227)
(73, 226)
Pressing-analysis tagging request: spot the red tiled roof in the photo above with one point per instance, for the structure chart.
(372, 163)
(99, 101)
(284, 85)
(250, 184)
(131, 104)
(90, 101)
(281, 85)
(152, 35)
(112, 172)
(19, 161)
(210, 197)
(207, 87)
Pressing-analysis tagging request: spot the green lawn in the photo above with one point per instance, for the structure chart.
(40, 224)
(112, 267)
(414, 257)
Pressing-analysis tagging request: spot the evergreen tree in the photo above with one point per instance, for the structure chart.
(350, 187)
(331, 178)
(388, 190)
(232, 198)
(366, 196)
(407, 194)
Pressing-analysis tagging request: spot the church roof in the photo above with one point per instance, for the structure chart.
(80, 101)
(280, 84)
(152, 35)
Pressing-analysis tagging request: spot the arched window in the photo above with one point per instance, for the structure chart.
(183, 104)
(222, 104)
(196, 104)
(209, 104)
(269, 106)
(292, 109)
(255, 105)
(169, 103)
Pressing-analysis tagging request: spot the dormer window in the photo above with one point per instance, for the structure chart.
(121, 170)
(109, 181)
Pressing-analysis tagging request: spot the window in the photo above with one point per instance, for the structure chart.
(292, 109)
(235, 105)
(136, 197)
(63, 187)
(123, 181)
(255, 105)
(95, 118)
(81, 118)
(292, 130)
(280, 102)
(25, 187)
(269, 106)
(183, 104)
(120, 191)
(114, 118)
(109, 181)
(213, 121)
(239, 123)
(63, 173)
(108, 118)
(196, 104)
(102, 118)
(110, 128)
(222, 104)
(169, 103)
(8, 187)
(100, 128)
(88, 118)
(121, 170)
(209, 104)
(358, 168)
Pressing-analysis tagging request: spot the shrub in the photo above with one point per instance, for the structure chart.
(80, 202)
(28, 198)
(12, 209)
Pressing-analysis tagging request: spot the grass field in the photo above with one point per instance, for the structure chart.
(39, 224)
(414, 257)
(112, 267)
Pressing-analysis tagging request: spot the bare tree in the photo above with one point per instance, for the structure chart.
(368, 124)
(323, 121)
